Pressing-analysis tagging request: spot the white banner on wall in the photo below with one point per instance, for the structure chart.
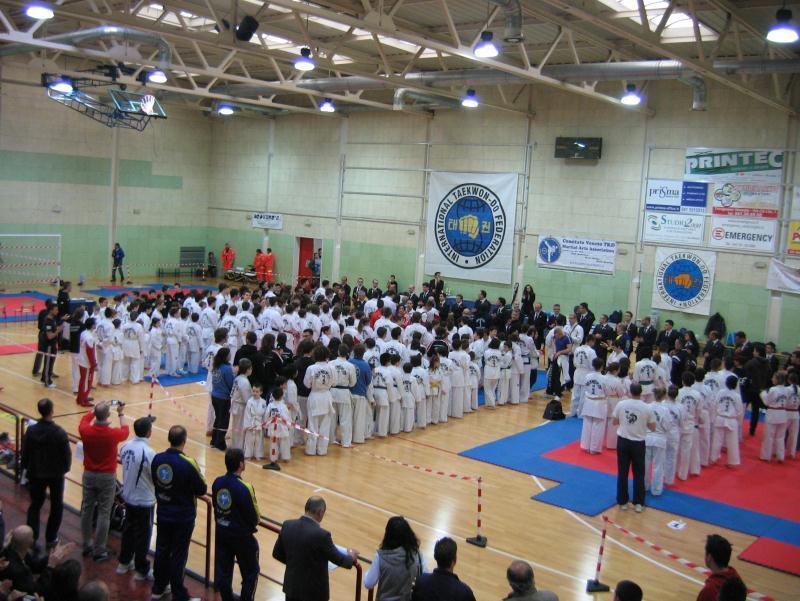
(675, 228)
(742, 233)
(745, 183)
(268, 221)
(470, 232)
(783, 278)
(577, 254)
(684, 280)
(676, 196)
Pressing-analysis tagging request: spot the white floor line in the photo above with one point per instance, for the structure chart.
(622, 545)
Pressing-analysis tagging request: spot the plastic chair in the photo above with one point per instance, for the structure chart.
(23, 310)
(4, 313)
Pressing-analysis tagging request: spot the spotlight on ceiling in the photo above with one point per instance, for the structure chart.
(40, 11)
(62, 85)
(246, 29)
(327, 106)
(225, 110)
(631, 97)
(305, 62)
(157, 76)
(486, 48)
(470, 100)
(784, 31)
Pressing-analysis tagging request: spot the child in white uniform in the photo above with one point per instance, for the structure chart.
(474, 381)
(395, 396)
(240, 393)
(408, 401)
(678, 417)
(172, 335)
(458, 380)
(280, 448)
(616, 390)
(774, 401)
(727, 409)
(493, 360)
(421, 394)
(792, 416)
(253, 420)
(194, 335)
(505, 372)
(116, 353)
(594, 408)
(656, 444)
(382, 388)
(517, 370)
(434, 391)
(156, 346)
(689, 452)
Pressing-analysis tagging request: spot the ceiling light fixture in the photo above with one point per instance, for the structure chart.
(783, 31)
(470, 99)
(327, 106)
(225, 110)
(631, 97)
(157, 76)
(40, 11)
(246, 29)
(305, 62)
(62, 85)
(486, 48)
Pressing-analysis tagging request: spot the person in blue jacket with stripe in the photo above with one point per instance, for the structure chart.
(178, 482)
(237, 515)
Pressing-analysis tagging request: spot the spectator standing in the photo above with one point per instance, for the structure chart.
(756, 371)
(100, 442)
(634, 418)
(178, 481)
(397, 564)
(718, 555)
(228, 258)
(222, 378)
(46, 456)
(442, 583)
(211, 265)
(305, 548)
(51, 331)
(520, 577)
(236, 513)
(117, 256)
(139, 495)
(40, 319)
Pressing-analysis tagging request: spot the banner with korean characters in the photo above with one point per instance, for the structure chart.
(744, 183)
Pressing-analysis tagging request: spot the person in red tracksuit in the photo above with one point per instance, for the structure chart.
(87, 363)
(228, 257)
(259, 266)
(269, 265)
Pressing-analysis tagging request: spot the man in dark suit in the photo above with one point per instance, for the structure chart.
(585, 319)
(646, 337)
(668, 335)
(714, 348)
(557, 318)
(436, 285)
(458, 307)
(374, 292)
(742, 347)
(442, 583)
(538, 319)
(359, 287)
(306, 548)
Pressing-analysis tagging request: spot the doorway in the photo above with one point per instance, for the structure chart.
(304, 254)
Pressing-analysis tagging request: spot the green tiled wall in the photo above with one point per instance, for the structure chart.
(147, 247)
(790, 323)
(377, 261)
(140, 174)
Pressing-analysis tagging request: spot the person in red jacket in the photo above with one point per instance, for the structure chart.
(228, 257)
(718, 554)
(259, 266)
(269, 265)
(100, 442)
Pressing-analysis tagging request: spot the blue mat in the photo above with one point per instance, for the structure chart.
(539, 384)
(167, 380)
(591, 492)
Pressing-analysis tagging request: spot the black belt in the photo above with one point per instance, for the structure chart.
(342, 387)
(380, 387)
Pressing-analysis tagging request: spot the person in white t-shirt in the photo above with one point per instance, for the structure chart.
(634, 419)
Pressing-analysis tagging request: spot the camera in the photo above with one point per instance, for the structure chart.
(116, 402)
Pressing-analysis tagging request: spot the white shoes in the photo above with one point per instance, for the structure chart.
(167, 591)
(124, 568)
(638, 508)
(140, 577)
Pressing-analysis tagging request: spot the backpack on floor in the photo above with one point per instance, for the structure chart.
(554, 411)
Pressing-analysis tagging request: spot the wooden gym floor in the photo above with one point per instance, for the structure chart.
(363, 492)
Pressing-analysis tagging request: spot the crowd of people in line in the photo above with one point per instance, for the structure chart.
(165, 486)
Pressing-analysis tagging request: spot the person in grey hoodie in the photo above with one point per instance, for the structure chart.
(397, 564)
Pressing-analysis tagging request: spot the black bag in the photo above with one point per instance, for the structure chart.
(615, 317)
(554, 411)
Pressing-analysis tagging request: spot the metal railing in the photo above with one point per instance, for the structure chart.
(21, 425)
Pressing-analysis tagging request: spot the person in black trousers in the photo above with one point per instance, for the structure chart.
(237, 516)
(37, 361)
(756, 372)
(48, 342)
(46, 456)
(634, 419)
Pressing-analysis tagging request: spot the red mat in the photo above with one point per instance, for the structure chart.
(754, 485)
(773, 554)
(18, 349)
(13, 303)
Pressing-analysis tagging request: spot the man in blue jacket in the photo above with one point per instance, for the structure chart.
(178, 482)
(236, 514)
(117, 255)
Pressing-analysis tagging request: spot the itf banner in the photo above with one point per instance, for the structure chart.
(470, 232)
(745, 183)
(577, 254)
(268, 221)
(783, 278)
(684, 280)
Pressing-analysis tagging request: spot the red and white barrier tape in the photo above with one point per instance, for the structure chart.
(670, 555)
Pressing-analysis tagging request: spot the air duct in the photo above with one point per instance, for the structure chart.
(428, 101)
(513, 12)
(100, 33)
(699, 91)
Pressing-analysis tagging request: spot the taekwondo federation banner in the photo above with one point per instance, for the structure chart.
(470, 232)
(783, 278)
(684, 280)
(745, 183)
(268, 221)
(577, 254)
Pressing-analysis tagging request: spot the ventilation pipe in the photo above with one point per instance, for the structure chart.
(100, 33)
(428, 100)
(513, 11)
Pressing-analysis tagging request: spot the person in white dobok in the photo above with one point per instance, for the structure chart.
(342, 399)
(594, 408)
(582, 358)
(319, 379)
(656, 443)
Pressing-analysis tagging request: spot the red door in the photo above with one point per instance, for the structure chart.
(306, 254)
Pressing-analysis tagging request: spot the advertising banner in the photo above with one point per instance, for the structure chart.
(674, 228)
(268, 221)
(577, 254)
(743, 234)
(793, 237)
(783, 278)
(676, 196)
(470, 225)
(684, 280)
